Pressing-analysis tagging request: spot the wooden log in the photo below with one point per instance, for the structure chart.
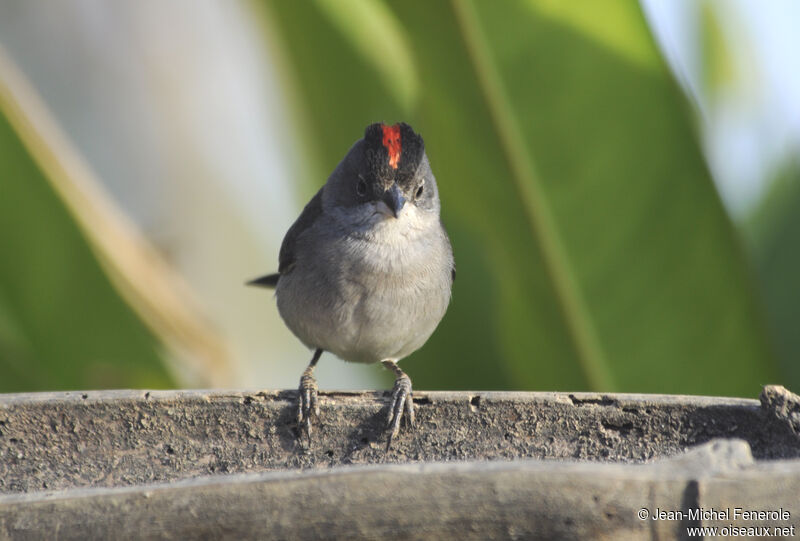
(129, 464)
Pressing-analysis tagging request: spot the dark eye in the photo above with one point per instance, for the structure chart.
(419, 191)
(361, 188)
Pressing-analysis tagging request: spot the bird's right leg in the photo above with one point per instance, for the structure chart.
(401, 400)
(307, 405)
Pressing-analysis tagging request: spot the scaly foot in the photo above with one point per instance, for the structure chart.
(401, 400)
(307, 403)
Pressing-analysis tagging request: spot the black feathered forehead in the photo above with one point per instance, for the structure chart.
(393, 152)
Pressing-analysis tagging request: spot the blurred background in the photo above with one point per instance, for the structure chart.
(620, 181)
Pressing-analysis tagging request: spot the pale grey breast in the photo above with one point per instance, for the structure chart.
(368, 296)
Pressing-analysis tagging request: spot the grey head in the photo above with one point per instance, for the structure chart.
(383, 173)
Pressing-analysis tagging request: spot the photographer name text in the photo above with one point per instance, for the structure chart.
(735, 513)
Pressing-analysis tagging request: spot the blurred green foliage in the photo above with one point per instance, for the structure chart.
(62, 324)
(592, 247)
(719, 68)
(772, 232)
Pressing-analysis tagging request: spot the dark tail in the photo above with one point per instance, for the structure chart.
(270, 280)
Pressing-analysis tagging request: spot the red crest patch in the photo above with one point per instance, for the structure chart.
(392, 142)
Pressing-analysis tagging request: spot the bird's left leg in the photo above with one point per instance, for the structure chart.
(307, 402)
(401, 400)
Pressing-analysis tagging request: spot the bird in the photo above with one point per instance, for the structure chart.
(366, 271)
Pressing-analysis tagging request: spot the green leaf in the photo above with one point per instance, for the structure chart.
(87, 302)
(592, 249)
(772, 232)
(720, 70)
(62, 323)
(379, 40)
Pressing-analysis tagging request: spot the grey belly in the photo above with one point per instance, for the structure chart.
(364, 313)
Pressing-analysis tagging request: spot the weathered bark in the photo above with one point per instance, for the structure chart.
(127, 464)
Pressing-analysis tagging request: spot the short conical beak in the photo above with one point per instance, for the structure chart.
(394, 199)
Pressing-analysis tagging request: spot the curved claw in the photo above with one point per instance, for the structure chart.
(410, 408)
(401, 400)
